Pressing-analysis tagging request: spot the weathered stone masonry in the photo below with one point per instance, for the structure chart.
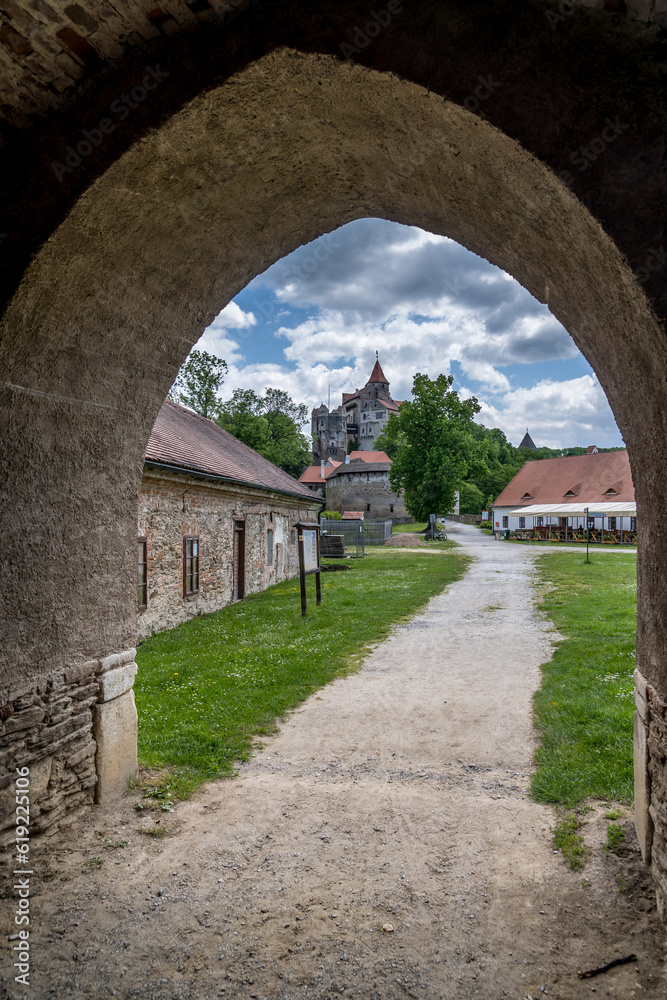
(174, 505)
(58, 729)
(650, 753)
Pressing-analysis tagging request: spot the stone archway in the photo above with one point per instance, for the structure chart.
(290, 148)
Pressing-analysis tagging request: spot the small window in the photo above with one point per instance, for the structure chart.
(633, 524)
(269, 548)
(591, 524)
(611, 524)
(190, 566)
(368, 507)
(292, 537)
(391, 508)
(142, 581)
(540, 522)
(522, 522)
(506, 522)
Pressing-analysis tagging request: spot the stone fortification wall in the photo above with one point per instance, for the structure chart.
(358, 490)
(58, 729)
(173, 506)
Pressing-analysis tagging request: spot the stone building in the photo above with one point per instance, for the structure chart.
(216, 521)
(361, 417)
(364, 486)
(594, 479)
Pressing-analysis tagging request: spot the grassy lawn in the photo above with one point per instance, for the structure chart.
(417, 526)
(207, 688)
(584, 708)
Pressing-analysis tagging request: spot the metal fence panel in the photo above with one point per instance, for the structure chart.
(359, 533)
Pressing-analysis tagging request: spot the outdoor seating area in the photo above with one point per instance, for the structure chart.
(554, 533)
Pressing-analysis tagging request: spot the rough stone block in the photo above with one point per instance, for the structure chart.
(108, 663)
(116, 682)
(76, 674)
(128, 655)
(643, 821)
(641, 706)
(115, 732)
(24, 720)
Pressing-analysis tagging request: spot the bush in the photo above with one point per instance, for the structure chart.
(332, 515)
(485, 524)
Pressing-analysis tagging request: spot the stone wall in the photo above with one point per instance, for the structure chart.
(358, 490)
(650, 755)
(172, 506)
(60, 729)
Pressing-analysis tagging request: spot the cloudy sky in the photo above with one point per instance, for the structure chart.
(312, 323)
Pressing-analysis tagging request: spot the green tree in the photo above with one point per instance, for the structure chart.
(270, 424)
(437, 446)
(471, 499)
(198, 383)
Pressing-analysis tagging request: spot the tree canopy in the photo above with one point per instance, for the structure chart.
(198, 383)
(436, 446)
(270, 424)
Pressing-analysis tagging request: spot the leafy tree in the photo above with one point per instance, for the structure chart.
(270, 424)
(390, 441)
(471, 499)
(198, 383)
(437, 446)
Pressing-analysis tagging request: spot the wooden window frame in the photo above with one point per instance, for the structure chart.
(188, 574)
(142, 540)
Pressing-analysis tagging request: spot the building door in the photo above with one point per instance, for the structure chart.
(238, 568)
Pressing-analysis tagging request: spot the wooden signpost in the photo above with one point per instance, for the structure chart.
(309, 559)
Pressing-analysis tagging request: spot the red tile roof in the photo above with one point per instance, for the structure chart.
(370, 456)
(583, 477)
(313, 474)
(353, 515)
(377, 375)
(190, 443)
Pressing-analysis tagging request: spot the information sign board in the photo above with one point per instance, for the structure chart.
(310, 563)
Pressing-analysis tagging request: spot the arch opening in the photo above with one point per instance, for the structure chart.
(285, 151)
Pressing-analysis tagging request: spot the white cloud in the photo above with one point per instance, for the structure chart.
(233, 317)
(423, 302)
(558, 414)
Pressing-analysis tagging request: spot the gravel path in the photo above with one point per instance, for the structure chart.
(395, 799)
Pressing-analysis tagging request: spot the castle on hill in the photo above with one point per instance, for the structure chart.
(361, 418)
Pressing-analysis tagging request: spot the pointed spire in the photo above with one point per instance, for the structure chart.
(528, 442)
(377, 375)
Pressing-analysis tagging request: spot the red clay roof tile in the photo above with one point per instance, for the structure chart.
(584, 477)
(183, 439)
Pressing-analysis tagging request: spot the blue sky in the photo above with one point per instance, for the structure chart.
(314, 320)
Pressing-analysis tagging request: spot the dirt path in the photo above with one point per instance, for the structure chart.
(393, 797)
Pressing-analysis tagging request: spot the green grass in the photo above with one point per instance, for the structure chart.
(207, 688)
(417, 526)
(615, 838)
(568, 840)
(584, 708)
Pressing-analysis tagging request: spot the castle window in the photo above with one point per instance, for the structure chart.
(190, 566)
(269, 547)
(391, 508)
(368, 507)
(142, 582)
